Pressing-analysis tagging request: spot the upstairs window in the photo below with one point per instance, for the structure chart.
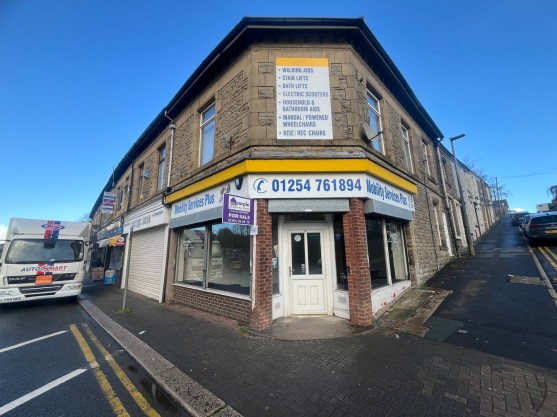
(406, 147)
(120, 199)
(141, 180)
(207, 136)
(374, 111)
(162, 158)
(425, 154)
(444, 171)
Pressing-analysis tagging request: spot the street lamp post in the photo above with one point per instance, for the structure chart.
(462, 200)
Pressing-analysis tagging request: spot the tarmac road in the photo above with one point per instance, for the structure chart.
(489, 313)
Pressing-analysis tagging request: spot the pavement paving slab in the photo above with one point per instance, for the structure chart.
(416, 360)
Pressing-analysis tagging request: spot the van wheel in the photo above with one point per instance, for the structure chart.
(533, 242)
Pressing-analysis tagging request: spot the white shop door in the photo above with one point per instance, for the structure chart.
(146, 262)
(308, 291)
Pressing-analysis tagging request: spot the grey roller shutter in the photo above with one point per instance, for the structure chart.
(146, 262)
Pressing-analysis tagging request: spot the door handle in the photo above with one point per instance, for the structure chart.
(290, 270)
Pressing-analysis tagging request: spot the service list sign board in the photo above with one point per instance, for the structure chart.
(303, 99)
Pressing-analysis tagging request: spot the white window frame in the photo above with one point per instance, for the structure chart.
(140, 180)
(162, 160)
(405, 133)
(120, 198)
(444, 162)
(440, 221)
(207, 141)
(425, 152)
(377, 143)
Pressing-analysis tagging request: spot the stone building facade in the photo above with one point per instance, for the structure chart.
(294, 173)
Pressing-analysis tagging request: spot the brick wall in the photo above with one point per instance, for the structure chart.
(221, 305)
(359, 283)
(182, 154)
(262, 292)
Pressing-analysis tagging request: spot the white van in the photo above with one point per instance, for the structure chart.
(43, 259)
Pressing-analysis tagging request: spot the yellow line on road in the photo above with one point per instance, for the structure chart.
(139, 399)
(549, 255)
(109, 393)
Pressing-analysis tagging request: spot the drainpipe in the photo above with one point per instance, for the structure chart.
(172, 127)
(429, 212)
(130, 187)
(447, 205)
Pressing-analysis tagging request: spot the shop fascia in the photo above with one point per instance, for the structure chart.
(150, 216)
(206, 205)
(290, 186)
(111, 230)
(329, 185)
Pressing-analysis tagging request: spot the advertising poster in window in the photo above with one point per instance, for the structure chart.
(303, 99)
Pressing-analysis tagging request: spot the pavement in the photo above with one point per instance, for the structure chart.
(425, 356)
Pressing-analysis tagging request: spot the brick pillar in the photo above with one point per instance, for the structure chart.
(261, 316)
(359, 282)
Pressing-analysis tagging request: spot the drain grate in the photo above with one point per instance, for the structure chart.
(518, 279)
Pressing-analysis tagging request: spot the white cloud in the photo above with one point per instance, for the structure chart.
(3, 231)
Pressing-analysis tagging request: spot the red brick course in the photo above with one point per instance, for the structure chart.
(219, 304)
(359, 283)
(262, 292)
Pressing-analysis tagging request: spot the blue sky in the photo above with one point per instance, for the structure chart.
(80, 80)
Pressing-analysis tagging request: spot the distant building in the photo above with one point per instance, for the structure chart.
(501, 207)
(553, 191)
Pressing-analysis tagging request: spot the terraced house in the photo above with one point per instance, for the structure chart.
(294, 173)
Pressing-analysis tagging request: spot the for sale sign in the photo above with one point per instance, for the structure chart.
(237, 210)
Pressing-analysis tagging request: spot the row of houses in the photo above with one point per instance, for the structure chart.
(294, 173)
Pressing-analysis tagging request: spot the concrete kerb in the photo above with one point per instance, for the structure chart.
(195, 399)
(545, 278)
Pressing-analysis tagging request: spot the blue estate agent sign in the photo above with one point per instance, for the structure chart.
(237, 210)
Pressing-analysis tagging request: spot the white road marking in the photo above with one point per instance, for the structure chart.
(32, 341)
(39, 391)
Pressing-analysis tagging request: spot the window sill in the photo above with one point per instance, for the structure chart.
(209, 290)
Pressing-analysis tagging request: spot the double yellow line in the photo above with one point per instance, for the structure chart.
(109, 393)
(549, 255)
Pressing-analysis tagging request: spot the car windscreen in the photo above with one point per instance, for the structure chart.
(33, 251)
(544, 219)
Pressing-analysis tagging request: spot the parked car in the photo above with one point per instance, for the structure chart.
(517, 217)
(541, 226)
(523, 223)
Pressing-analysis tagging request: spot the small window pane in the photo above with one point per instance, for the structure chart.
(162, 156)
(208, 114)
(207, 143)
(314, 254)
(375, 122)
(191, 257)
(372, 102)
(298, 248)
(229, 266)
(207, 140)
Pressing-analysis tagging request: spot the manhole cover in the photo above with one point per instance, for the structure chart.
(518, 279)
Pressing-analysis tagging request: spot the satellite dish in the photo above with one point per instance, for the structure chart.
(369, 133)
